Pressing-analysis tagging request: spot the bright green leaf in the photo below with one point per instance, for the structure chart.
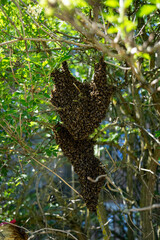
(32, 124)
(143, 55)
(155, 1)
(44, 63)
(127, 3)
(27, 59)
(112, 18)
(146, 9)
(114, 3)
(112, 30)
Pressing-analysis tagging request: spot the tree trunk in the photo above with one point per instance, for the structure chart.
(102, 217)
(147, 194)
(130, 184)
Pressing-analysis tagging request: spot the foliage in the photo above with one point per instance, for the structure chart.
(36, 38)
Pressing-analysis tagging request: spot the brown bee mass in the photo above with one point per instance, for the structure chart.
(81, 106)
(81, 155)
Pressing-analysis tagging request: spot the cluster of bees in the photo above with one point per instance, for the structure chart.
(81, 106)
(8, 231)
(81, 155)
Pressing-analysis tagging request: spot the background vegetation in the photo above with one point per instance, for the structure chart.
(38, 186)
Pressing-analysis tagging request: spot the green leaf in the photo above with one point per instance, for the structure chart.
(3, 2)
(80, 3)
(66, 57)
(127, 3)
(128, 25)
(155, 1)
(157, 134)
(112, 4)
(32, 123)
(146, 9)
(144, 55)
(112, 30)
(46, 95)
(44, 63)
(112, 18)
(23, 102)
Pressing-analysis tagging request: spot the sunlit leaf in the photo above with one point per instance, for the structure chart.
(146, 9)
(112, 30)
(143, 55)
(113, 4)
(127, 3)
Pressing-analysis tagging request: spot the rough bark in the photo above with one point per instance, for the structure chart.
(147, 195)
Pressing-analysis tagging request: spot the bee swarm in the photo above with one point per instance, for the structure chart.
(81, 106)
(81, 155)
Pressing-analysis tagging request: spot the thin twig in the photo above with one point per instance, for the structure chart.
(144, 208)
(38, 200)
(51, 230)
(115, 65)
(145, 130)
(20, 124)
(109, 125)
(14, 77)
(21, 20)
(47, 40)
(10, 42)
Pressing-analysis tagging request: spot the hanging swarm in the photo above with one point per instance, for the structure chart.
(81, 155)
(81, 106)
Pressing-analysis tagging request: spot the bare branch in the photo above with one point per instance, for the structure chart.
(48, 40)
(145, 130)
(121, 67)
(10, 42)
(154, 48)
(144, 208)
(51, 230)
